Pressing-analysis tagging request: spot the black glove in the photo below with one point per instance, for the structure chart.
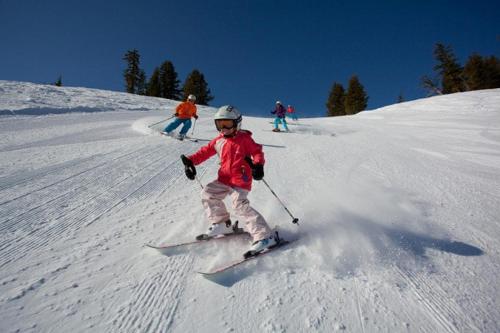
(189, 168)
(257, 169)
(176, 114)
(195, 116)
(258, 172)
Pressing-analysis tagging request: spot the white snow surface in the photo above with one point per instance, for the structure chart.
(399, 219)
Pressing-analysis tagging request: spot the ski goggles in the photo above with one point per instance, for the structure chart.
(224, 124)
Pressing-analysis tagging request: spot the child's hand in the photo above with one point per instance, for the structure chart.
(258, 172)
(189, 168)
(257, 169)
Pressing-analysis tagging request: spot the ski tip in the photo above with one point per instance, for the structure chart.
(164, 250)
(211, 276)
(219, 279)
(152, 247)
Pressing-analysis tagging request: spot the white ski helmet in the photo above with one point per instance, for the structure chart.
(278, 102)
(228, 112)
(191, 97)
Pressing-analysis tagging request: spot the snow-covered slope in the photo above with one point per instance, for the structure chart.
(398, 209)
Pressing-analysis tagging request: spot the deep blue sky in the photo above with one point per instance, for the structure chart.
(251, 52)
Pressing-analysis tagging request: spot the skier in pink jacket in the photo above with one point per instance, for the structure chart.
(234, 147)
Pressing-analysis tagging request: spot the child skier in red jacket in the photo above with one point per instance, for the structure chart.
(233, 146)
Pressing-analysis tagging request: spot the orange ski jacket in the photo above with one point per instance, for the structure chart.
(185, 110)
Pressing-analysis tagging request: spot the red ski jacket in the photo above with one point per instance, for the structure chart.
(234, 171)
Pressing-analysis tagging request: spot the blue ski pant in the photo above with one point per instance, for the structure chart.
(278, 121)
(174, 124)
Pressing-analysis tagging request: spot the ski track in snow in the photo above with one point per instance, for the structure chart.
(397, 209)
(445, 312)
(154, 302)
(88, 209)
(81, 179)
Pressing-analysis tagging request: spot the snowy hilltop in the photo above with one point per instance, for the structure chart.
(398, 213)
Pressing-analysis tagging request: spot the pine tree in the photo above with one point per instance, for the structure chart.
(59, 81)
(169, 84)
(482, 73)
(141, 83)
(492, 70)
(474, 72)
(135, 78)
(448, 69)
(153, 87)
(195, 84)
(335, 104)
(356, 99)
(478, 73)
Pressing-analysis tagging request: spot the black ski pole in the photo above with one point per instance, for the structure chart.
(161, 121)
(199, 182)
(295, 220)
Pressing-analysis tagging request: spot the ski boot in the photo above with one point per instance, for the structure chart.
(262, 245)
(221, 229)
(167, 133)
(276, 130)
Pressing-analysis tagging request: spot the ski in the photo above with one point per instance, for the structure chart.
(288, 123)
(216, 273)
(170, 249)
(188, 138)
(280, 131)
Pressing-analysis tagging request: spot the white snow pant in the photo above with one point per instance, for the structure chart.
(212, 198)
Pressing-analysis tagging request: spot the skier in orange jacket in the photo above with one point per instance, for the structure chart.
(183, 114)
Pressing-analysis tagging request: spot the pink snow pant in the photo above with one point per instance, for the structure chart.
(212, 198)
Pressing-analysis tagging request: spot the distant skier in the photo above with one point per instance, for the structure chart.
(234, 147)
(280, 113)
(291, 112)
(183, 114)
